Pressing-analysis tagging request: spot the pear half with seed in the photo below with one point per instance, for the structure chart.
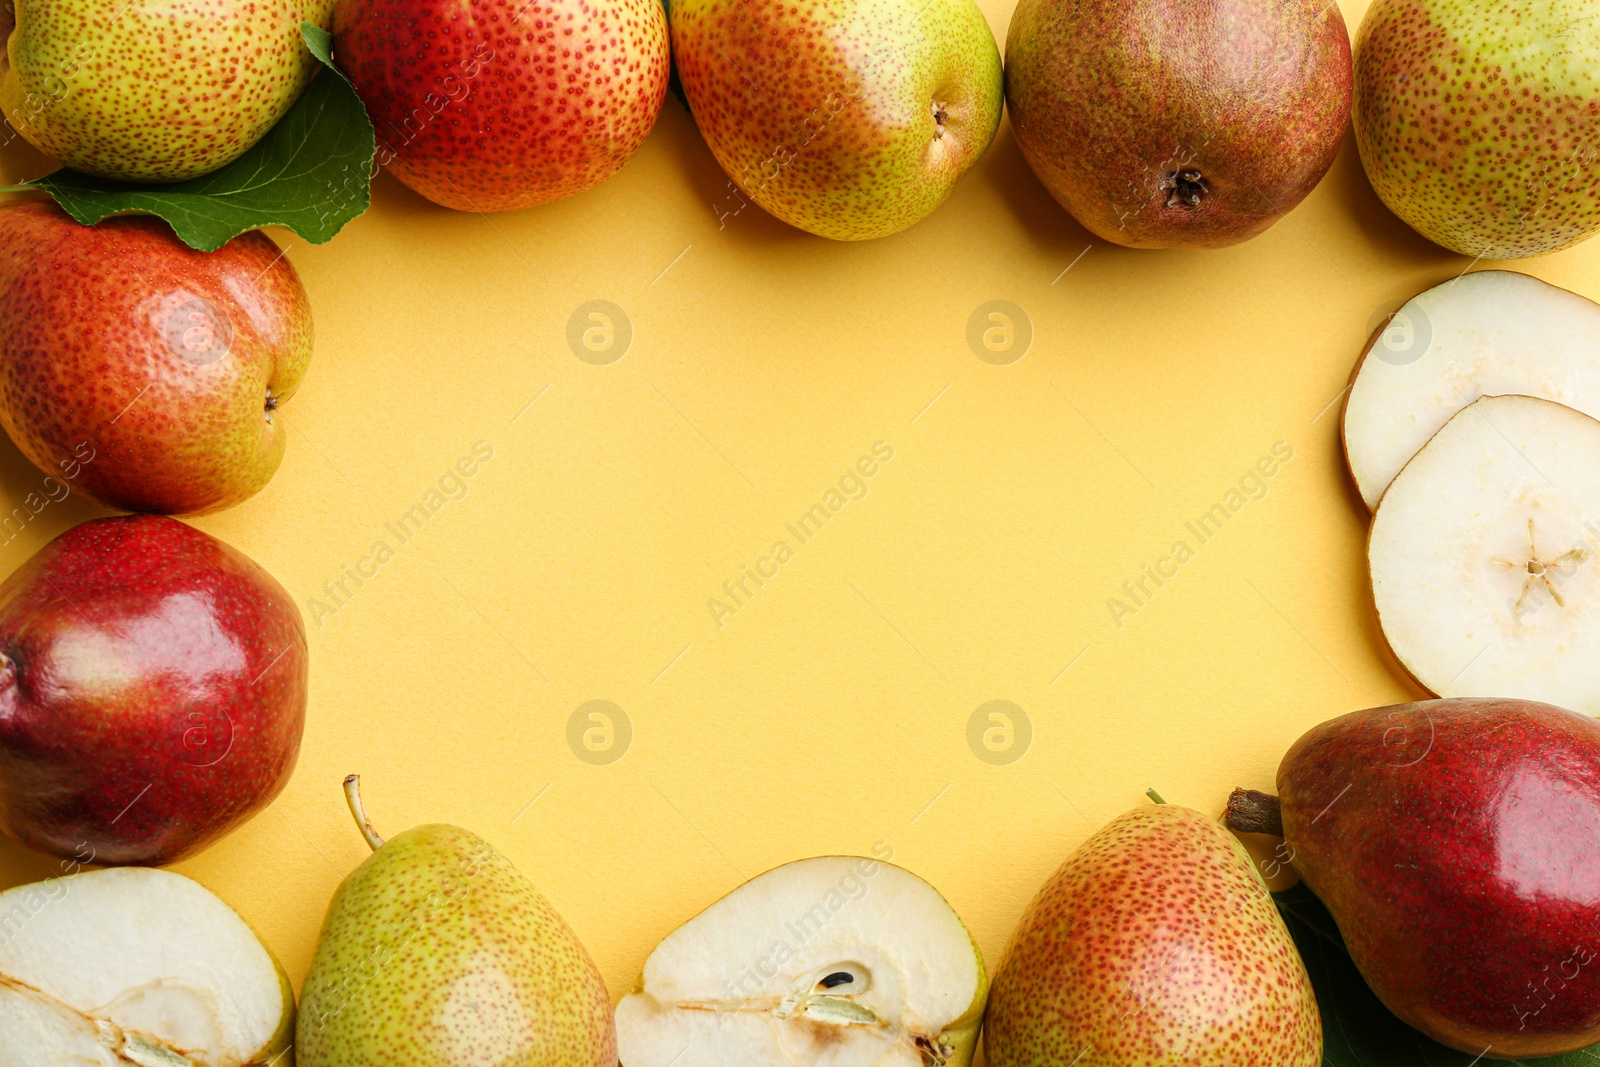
(836, 961)
(1485, 556)
(136, 966)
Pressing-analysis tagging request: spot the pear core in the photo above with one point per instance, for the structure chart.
(836, 960)
(135, 965)
(1483, 555)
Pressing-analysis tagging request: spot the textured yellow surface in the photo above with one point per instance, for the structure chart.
(831, 710)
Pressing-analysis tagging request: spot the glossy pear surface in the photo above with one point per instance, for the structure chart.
(1454, 843)
(152, 692)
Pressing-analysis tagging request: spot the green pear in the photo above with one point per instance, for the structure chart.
(1155, 945)
(852, 119)
(1478, 123)
(152, 90)
(436, 952)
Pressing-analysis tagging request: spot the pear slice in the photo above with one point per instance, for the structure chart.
(1489, 333)
(136, 966)
(836, 961)
(1483, 556)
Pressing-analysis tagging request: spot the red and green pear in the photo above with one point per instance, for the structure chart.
(495, 105)
(851, 119)
(1156, 944)
(147, 371)
(1479, 123)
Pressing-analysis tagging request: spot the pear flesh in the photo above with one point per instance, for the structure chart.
(1156, 944)
(835, 961)
(136, 966)
(1487, 333)
(1484, 556)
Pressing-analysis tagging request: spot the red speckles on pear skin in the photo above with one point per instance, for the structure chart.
(1479, 124)
(824, 111)
(494, 105)
(1111, 100)
(153, 694)
(1154, 945)
(122, 343)
(1454, 843)
(154, 90)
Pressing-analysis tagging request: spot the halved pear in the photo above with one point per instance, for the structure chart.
(136, 966)
(836, 961)
(1483, 555)
(1489, 333)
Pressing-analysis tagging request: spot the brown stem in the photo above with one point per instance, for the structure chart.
(1253, 812)
(352, 796)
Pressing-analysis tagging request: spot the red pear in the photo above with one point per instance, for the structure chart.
(152, 692)
(1187, 124)
(1457, 845)
(494, 105)
(164, 364)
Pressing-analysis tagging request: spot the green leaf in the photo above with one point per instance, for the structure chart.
(311, 172)
(1357, 1030)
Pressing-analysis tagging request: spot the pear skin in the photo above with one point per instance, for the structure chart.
(1478, 122)
(1155, 945)
(1453, 841)
(152, 90)
(1178, 123)
(437, 952)
(851, 119)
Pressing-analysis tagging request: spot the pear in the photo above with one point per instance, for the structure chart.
(1193, 124)
(1478, 122)
(1156, 944)
(1453, 841)
(852, 119)
(1482, 555)
(152, 90)
(1486, 333)
(833, 961)
(136, 966)
(436, 952)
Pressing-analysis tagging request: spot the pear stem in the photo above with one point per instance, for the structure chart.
(1153, 795)
(1253, 812)
(352, 796)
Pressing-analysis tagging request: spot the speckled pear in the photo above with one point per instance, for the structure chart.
(437, 952)
(152, 90)
(1479, 123)
(852, 119)
(1155, 945)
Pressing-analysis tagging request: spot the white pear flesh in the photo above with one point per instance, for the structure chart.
(135, 966)
(835, 961)
(1483, 556)
(1488, 333)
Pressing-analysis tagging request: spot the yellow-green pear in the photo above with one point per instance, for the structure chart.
(1155, 945)
(437, 952)
(152, 90)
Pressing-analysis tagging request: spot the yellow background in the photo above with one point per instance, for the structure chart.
(831, 711)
